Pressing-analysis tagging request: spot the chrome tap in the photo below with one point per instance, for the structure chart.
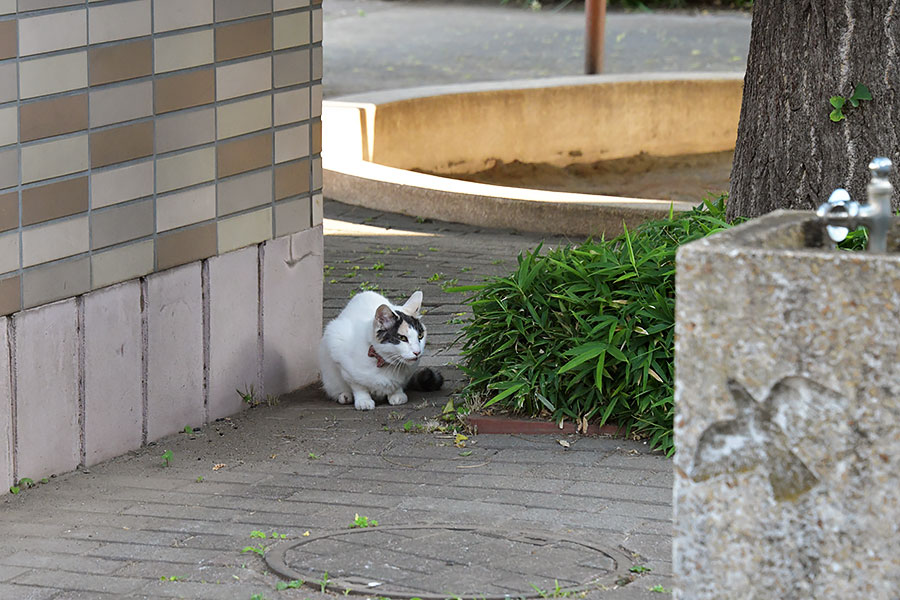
(841, 214)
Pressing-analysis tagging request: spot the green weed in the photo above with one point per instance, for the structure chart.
(640, 569)
(166, 456)
(362, 522)
(860, 93)
(289, 585)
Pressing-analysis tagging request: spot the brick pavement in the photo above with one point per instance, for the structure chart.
(126, 528)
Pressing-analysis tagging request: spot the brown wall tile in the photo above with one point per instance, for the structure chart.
(120, 62)
(121, 143)
(54, 200)
(9, 295)
(317, 137)
(244, 154)
(122, 223)
(244, 39)
(186, 245)
(9, 40)
(291, 179)
(9, 211)
(53, 117)
(184, 90)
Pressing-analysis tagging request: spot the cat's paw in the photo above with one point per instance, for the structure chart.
(344, 398)
(397, 398)
(363, 402)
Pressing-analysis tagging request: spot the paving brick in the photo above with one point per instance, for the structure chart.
(113, 392)
(174, 351)
(84, 582)
(9, 571)
(292, 310)
(62, 562)
(48, 436)
(6, 425)
(233, 329)
(26, 592)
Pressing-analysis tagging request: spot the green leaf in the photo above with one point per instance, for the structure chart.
(838, 101)
(836, 115)
(861, 92)
(505, 393)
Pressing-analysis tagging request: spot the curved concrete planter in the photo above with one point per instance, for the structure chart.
(373, 143)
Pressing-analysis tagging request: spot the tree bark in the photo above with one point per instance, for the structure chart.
(789, 153)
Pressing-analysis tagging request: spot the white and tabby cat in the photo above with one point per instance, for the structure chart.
(372, 349)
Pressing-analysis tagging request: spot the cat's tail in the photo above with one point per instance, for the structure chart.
(425, 380)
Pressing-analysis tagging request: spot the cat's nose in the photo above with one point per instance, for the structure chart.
(416, 353)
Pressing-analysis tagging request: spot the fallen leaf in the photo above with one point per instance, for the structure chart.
(305, 534)
(654, 375)
(460, 440)
(218, 466)
(564, 444)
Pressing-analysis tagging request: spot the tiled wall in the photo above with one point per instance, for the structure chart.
(138, 135)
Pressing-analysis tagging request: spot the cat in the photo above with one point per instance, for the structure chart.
(372, 348)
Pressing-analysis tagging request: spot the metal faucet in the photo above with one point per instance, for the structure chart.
(841, 214)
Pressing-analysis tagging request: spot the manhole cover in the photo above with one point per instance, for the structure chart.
(448, 561)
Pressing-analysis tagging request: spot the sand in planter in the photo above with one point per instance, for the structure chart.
(686, 177)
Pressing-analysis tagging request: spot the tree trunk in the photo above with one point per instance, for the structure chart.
(789, 153)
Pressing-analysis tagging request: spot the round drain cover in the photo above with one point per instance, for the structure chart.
(448, 561)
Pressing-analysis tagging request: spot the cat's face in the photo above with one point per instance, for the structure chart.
(400, 335)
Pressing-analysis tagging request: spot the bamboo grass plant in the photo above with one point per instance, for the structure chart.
(587, 332)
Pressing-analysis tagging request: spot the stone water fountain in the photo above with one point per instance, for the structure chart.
(787, 354)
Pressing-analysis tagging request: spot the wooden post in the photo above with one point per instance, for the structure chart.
(595, 26)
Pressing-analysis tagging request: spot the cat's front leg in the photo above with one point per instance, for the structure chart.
(362, 400)
(398, 397)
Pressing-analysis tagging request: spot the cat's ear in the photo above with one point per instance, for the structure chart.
(413, 305)
(384, 317)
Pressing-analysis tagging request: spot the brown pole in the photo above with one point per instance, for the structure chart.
(595, 25)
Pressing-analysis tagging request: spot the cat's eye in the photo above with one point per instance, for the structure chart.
(403, 338)
(421, 335)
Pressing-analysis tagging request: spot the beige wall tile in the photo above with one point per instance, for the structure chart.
(243, 39)
(315, 101)
(122, 264)
(246, 229)
(9, 125)
(120, 185)
(243, 78)
(43, 76)
(184, 90)
(9, 40)
(185, 208)
(185, 129)
(9, 295)
(180, 14)
(186, 245)
(54, 200)
(292, 216)
(56, 116)
(317, 25)
(110, 22)
(121, 103)
(243, 192)
(291, 106)
(9, 211)
(289, 4)
(9, 251)
(318, 209)
(245, 154)
(7, 7)
(184, 50)
(55, 282)
(56, 31)
(187, 168)
(226, 10)
(57, 240)
(120, 61)
(9, 168)
(291, 30)
(122, 223)
(291, 68)
(28, 5)
(243, 117)
(52, 159)
(8, 82)
(291, 143)
(121, 144)
(317, 62)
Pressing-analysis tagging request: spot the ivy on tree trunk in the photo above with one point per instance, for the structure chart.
(789, 152)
